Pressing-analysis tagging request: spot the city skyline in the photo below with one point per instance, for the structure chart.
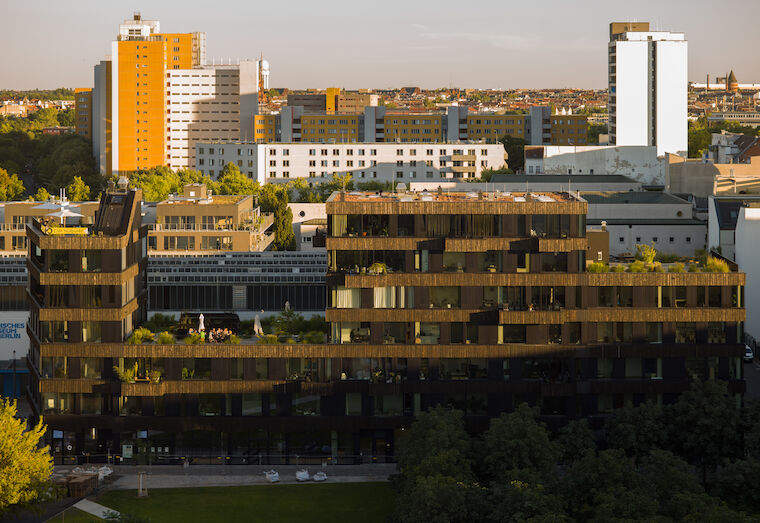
(317, 46)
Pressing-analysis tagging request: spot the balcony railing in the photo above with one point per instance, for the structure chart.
(262, 224)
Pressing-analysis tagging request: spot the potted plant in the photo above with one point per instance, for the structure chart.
(155, 376)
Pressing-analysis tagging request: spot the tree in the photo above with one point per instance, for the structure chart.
(66, 118)
(437, 499)
(11, 188)
(637, 430)
(436, 441)
(594, 130)
(526, 497)
(487, 174)
(232, 181)
(575, 439)
(517, 441)
(41, 195)
(77, 191)
(24, 467)
(515, 148)
(274, 198)
(738, 482)
(607, 487)
(674, 484)
(704, 425)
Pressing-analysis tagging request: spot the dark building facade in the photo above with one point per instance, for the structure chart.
(478, 302)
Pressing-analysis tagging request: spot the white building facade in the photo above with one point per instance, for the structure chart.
(639, 163)
(380, 162)
(747, 253)
(201, 105)
(648, 90)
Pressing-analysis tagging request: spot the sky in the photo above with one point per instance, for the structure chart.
(483, 44)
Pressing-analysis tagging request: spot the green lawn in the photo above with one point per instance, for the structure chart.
(74, 515)
(343, 502)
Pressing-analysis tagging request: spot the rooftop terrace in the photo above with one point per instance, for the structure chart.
(443, 196)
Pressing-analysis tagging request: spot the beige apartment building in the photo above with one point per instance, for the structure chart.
(201, 222)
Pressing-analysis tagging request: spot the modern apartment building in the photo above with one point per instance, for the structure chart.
(381, 162)
(156, 96)
(83, 112)
(198, 222)
(299, 123)
(87, 292)
(478, 302)
(648, 88)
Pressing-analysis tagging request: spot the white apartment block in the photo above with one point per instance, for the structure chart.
(381, 162)
(201, 105)
(648, 89)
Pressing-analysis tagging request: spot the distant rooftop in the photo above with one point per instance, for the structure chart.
(561, 178)
(632, 197)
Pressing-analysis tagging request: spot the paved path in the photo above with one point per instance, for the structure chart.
(159, 481)
(93, 508)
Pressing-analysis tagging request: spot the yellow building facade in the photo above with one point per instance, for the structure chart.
(83, 112)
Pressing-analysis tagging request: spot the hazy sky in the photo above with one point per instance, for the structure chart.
(352, 44)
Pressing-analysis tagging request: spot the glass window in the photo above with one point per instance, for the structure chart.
(91, 331)
(59, 295)
(353, 404)
(92, 261)
(91, 367)
(236, 369)
(686, 333)
(59, 261)
(210, 404)
(252, 405)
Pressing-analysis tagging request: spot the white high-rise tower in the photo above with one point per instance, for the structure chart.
(648, 88)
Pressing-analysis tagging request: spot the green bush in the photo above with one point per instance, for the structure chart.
(656, 267)
(247, 328)
(617, 268)
(194, 339)
(598, 267)
(165, 338)
(161, 322)
(645, 253)
(666, 258)
(267, 339)
(126, 375)
(140, 335)
(232, 340)
(313, 337)
(677, 267)
(155, 376)
(716, 265)
(693, 267)
(637, 266)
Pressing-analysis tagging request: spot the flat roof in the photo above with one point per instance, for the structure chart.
(454, 196)
(562, 178)
(610, 197)
(646, 221)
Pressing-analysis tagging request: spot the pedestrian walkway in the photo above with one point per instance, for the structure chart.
(94, 509)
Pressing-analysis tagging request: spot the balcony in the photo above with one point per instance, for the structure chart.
(256, 224)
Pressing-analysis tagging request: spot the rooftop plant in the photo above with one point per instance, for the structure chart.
(598, 267)
(140, 335)
(716, 265)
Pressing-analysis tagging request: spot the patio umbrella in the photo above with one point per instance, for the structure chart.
(201, 327)
(65, 213)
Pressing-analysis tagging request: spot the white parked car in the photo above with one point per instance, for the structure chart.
(749, 354)
(320, 476)
(272, 476)
(303, 475)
